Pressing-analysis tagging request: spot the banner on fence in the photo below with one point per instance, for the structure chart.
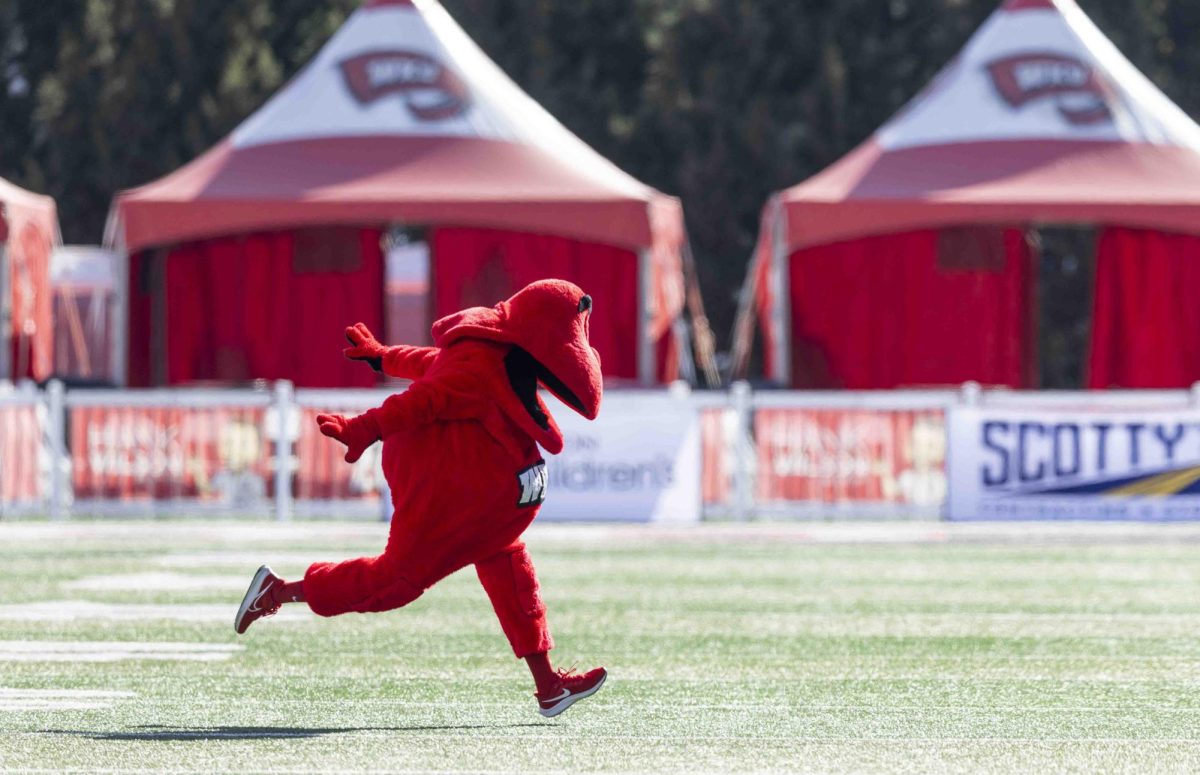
(322, 473)
(719, 428)
(21, 454)
(1024, 464)
(638, 462)
(851, 456)
(220, 455)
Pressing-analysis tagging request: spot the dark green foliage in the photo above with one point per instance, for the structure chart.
(717, 101)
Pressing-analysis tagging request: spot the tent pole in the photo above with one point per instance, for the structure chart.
(159, 371)
(645, 360)
(781, 312)
(5, 315)
(703, 342)
(744, 323)
(118, 319)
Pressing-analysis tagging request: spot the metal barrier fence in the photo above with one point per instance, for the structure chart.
(258, 453)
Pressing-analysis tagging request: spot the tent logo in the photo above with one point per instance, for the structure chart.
(1076, 89)
(430, 91)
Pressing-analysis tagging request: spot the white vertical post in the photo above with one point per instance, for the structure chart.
(743, 485)
(285, 411)
(781, 316)
(56, 430)
(646, 356)
(119, 320)
(970, 394)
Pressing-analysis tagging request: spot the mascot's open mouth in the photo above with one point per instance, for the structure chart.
(524, 374)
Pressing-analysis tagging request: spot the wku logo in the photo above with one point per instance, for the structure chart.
(429, 90)
(1080, 95)
(532, 482)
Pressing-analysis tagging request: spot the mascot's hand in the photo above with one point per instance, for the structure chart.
(357, 433)
(364, 346)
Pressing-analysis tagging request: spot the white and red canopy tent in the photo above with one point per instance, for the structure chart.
(401, 119)
(28, 233)
(1040, 119)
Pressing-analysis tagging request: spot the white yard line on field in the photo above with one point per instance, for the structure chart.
(159, 582)
(113, 651)
(77, 610)
(17, 700)
(235, 534)
(241, 537)
(248, 560)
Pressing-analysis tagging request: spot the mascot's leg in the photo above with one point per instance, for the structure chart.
(511, 584)
(363, 585)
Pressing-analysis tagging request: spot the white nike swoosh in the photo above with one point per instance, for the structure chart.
(254, 603)
(565, 694)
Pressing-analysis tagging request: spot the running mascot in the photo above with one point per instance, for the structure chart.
(460, 453)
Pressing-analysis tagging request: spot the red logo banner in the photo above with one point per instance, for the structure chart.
(430, 90)
(851, 456)
(1081, 96)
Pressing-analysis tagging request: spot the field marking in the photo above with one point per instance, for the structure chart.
(19, 700)
(79, 610)
(9, 693)
(799, 707)
(140, 532)
(850, 531)
(114, 651)
(249, 560)
(158, 582)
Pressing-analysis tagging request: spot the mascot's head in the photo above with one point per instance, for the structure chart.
(546, 323)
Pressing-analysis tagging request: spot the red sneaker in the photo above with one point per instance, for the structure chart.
(572, 689)
(258, 602)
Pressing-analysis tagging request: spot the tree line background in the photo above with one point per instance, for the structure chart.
(717, 101)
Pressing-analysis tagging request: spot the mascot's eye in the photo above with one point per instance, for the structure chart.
(585, 304)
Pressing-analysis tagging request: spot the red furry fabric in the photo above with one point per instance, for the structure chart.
(461, 456)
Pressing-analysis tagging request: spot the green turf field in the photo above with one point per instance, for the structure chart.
(754, 649)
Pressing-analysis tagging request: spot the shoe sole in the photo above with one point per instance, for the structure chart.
(567, 702)
(251, 593)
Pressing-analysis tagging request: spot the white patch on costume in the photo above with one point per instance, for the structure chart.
(532, 482)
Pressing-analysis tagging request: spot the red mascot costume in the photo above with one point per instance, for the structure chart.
(460, 453)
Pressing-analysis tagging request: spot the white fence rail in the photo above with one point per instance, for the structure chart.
(668, 454)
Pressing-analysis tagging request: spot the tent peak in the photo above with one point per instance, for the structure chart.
(1029, 5)
(1039, 118)
(1039, 76)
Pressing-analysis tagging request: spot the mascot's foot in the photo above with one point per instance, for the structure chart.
(573, 689)
(258, 602)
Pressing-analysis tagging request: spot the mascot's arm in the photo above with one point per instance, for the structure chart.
(425, 401)
(408, 362)
(399, 361)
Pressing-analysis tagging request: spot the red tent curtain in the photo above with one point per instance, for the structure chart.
(260, 306)
(919, 308)
(1146, 322)
(478, 267)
